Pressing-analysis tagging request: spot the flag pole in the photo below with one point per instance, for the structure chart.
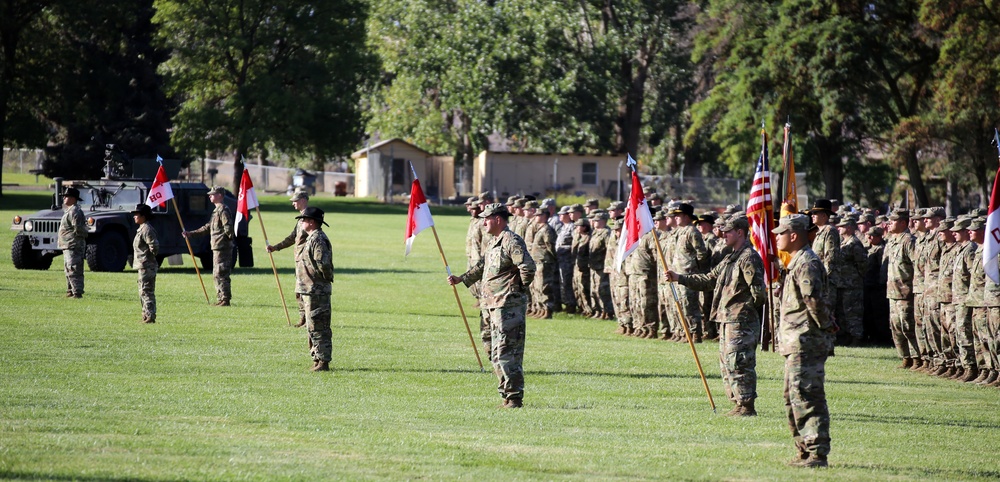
(458, 300)
(191, 251)
(273, 267)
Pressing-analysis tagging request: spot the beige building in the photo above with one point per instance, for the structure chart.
(508, 173)
(383, 170)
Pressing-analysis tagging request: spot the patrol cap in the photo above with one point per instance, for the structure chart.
(616, 206)
(881, 219)
(472, 200)
(511, 200)
(531, 204)
(495, 209)
(731, 209)
(576, 208)
(547, 203)
(735, 222)
(563, 210)
(484, 196)
(706, 217)
(899, 214)
(977, 223)
(142, 209)
(541, 212)
(792, 222)
(947, 223)
(520, 202)
(961, 224)
(919, 213)
(683, 208)
(72, 192)
(867, 218)
(312, 212)
(298, 195)
(719, 222)
(876, 231)
(834, 219)
(581, 222)
(217, 190)
(822, 205)
(599, 214)
(937, 211)
(978, 212)
(659, 216)
(846, 221)
(592, 202)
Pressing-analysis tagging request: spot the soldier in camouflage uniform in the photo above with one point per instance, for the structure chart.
(300, 201)
(506, 270)
(705, 225)
(805, 337)
(976, 299)
(826, 246)
(850, 313)
(962, 328)
(145, 247)
(73, 242)
(689, 255)
(900, 260)
(549, 204)
(938, 332)
(475, 238)
(876, 313)
(543, 251)
(928, 258)
(618, 280)
(600, 283)
(581, 267)
(313, 281)
(666, 309)
(640, 266)
(220, 226)
(564, 259)
(738, 285)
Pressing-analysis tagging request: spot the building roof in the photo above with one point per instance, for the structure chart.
(364, 152)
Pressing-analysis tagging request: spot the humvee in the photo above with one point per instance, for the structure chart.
(106, 204)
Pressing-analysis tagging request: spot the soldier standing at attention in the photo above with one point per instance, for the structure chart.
(543, 251)
(712, 242)
(73, 242)
(738, 283)
(564, 259)
(506, 270)
(805, 337)
(300, 201)
(826, 246)
(900, 258)
(474, 239)
(220, 226)
(600, 283)
(313, 281)
(618, 280)
(581, 267)
(145, 247)
(850, 313)
(688, 255)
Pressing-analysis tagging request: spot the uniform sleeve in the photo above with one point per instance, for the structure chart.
(519, 257)
(227, 223)
(323, 253)
(289, 240)
(149, 236)
(810, 285)
(752, 271)
(702, 254)
(475, 273)
(79, 224)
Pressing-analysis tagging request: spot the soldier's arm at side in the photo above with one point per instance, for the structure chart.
(154, 244)
(526, 266)
(810, 286)
(227, 223)
(752, 271)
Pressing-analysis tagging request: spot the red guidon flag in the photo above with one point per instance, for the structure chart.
(419, 217)
(160, 192)
(638, 221)
(247, 199)
(992, 241)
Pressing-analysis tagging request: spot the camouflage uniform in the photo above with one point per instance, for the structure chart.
(145, 247)
(581, 272)
(931, 322)
(543, 252)
(600, 284)
(962, 329)
(900, 262)
(506, 270)
(618, 280)
(939, 335)
(689, 255)
(565, 260)
(922, 241)
(640, 266)
(220, 227)
(296, 238)
(714, 245)
(666, 308)
(313, 281)
(991, 300)
(826, 246)
(852, 270)
(804, 339)
(73, 243)
(475, 237)
(985, 341)
(738, 287)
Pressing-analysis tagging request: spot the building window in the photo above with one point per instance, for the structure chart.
(589, 175)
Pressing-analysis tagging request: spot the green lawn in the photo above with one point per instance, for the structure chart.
(207, 393)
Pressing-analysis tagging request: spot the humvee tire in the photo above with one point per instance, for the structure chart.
(109, 252)
(26, 258)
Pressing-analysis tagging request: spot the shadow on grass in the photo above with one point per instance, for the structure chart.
(911, 420)
(488, 370)
(266, 270)
(15, 475)
(923, 472)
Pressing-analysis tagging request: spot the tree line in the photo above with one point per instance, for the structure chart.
(875, 92)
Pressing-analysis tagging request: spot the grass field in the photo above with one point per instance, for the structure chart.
(89, 393)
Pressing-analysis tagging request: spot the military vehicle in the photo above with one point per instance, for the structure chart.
(106, 204)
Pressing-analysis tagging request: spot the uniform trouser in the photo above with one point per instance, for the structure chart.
(73, 267)
(805, 401)
(690, 309)
(850, 312)
(992, 338)
(302, 309)
(485, 332)
(581, 288)
(318, 324)
(945, 340)
(147, 291)
(711, 328)
(666, 310)
(964, 337)
(920, 326)
(222, 262)
(738, 359)
(642, 301)
(600, 291)
(932, 330)
(542, 286)
(619, 294)
(565, 263)
(508, 325)
(985, 349)
(901, 325)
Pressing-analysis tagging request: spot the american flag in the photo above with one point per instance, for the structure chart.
(760, 212)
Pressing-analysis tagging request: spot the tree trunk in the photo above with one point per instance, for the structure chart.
(916, 179)
(629, 122)
(831, 164)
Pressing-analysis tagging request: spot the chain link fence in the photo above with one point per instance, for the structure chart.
(22, 161)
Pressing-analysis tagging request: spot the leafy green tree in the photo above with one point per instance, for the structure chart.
(261, 74)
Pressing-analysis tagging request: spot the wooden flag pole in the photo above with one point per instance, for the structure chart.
(687, 331)
(191, 251)
(458, 300)
(273, 267)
